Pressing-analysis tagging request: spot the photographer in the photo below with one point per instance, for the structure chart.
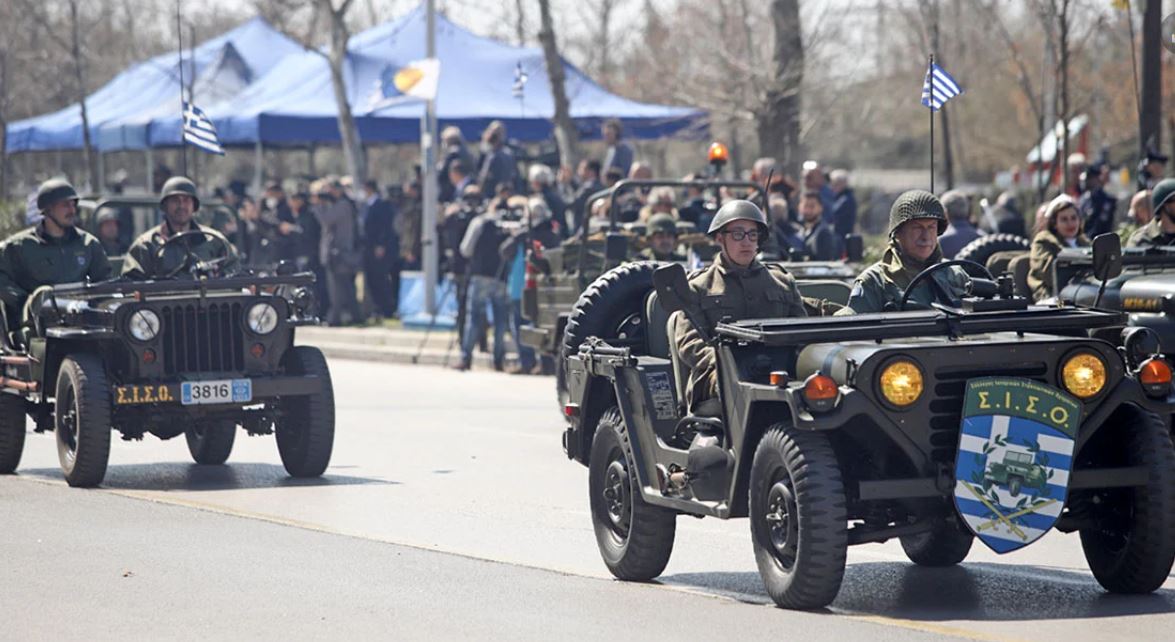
(481, 246)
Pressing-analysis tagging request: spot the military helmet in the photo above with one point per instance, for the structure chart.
(916, 204)
(53, 191)
(106, 214)
(661, 223)
(737, 210)
(179, 185)
(1163, 193)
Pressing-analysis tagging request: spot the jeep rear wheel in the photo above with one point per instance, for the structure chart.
(799, 524)
(946, 545)
(306, 429)
(1131, 545)
(12, 431)
(635, 538)
(82, 420)
(211, 442)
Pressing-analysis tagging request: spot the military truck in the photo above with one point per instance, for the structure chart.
(1017, 470)
(197, 356)
(836, 431)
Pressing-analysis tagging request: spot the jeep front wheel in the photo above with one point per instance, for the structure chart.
(82, 420)
(635, 538)
(799, 523)
(12, 431)
(306, 429)
(1130, 545)
(211, 442)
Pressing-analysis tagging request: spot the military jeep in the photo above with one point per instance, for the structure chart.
(196, 357)
(1016, 470)
(837, 431)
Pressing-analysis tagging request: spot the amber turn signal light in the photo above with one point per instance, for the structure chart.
(1155, 376)
(821, 392)
(778, 378)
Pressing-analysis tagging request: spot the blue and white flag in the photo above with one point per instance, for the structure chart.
(415, 80)
(938, 87)
(199, 131)
(520, 79)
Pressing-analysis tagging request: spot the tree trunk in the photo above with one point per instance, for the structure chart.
(348, 130)
(566, 135)
(1063, 72)
(80, 86)
(520, 22)
(1150, 120)
(778, 117)
(3, 121)
(948, 162)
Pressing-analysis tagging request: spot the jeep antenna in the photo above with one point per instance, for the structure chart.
(767, 188)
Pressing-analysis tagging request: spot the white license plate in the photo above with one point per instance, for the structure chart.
(221, 391)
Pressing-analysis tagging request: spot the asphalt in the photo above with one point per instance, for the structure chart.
(469, 465)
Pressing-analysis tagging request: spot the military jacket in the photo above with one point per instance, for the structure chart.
(1150, 235)
(885, 281)
(31, 258)
(1045, 248)
(142, 260)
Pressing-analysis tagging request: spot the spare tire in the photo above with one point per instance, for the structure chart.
(604, 307)
(983, 247)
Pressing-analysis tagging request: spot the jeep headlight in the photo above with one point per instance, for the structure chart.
(901, 382)
(262, 318)
(1084, 374)
(143, 325)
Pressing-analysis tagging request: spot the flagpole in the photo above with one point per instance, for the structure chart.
(930, 108)
(179, 34)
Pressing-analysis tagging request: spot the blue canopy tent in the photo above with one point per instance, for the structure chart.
(294, 104)
(120, 111)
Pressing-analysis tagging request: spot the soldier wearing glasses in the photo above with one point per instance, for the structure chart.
(735, 286)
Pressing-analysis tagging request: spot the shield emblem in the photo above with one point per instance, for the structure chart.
(1014, 459)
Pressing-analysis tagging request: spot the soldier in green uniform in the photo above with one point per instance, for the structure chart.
(735, 286)
(52, 252)
(661, 233)
(148, 260)
(916, 220)
(1161, 229)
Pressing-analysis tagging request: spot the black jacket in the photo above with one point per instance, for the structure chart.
(379, 219)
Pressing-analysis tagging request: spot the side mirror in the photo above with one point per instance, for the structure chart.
(1107, 256)
(673, 289)
(854, 248)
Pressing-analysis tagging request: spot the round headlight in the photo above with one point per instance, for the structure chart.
(262, 318)
(1084, 374)
(143, 325)
(901, 382)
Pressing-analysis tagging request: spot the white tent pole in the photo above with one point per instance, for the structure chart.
(150, 169)
(258, 160)
(429, 179)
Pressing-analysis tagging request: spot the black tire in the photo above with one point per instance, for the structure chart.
(635, 538)
(306, 430)
(799, 523)
(12, 431)
(946, 545)
(82, 420)
(211, 442)
(1132, 548)
(613, 297)
(981, 249)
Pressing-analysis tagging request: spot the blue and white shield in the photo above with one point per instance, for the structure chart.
(1015, 455)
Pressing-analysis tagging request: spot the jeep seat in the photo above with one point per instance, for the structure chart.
(656, 327)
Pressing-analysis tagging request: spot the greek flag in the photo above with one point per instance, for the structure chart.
(938, 87)
(198, 130)
(520, 79)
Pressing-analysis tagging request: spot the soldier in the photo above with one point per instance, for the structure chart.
(661, 233)
(52, 252)
(916, 220)
(735, 286)
(1161, 229)
(179, 203)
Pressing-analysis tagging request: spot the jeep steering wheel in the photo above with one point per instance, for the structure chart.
(925, 274)
(190, 258)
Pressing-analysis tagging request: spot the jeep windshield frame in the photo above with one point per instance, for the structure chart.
(904, 325)
(1160, 256)
(120, 286)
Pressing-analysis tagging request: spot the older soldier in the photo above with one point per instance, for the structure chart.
(52, 252)
(661, 233)
(736, 286)
(147, 258)
(1161, 229)
(916, 220)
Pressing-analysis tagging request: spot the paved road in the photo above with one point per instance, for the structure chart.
(469, 464)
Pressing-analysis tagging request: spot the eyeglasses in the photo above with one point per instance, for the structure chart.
(738, 235)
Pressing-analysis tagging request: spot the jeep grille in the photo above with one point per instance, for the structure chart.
(946, 405)
(202, 338)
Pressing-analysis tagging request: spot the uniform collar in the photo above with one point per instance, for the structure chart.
(726, 268)
(164, 230)
(44, 238)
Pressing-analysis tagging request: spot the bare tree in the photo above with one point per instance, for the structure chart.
(520, 21)
(1151, 109)
(778, 117)
(566, 135)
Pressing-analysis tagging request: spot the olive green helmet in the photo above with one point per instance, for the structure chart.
(179, 185)
(916, 204)
(53, 191)
(1162, 194)
(738, 210)
(661, 223)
